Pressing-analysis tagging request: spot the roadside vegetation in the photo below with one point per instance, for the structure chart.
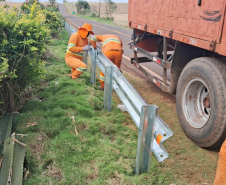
(24, 35)
(99, 19)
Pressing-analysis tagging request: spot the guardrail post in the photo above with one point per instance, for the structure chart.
(66, 27)
(93, 66)
(145, 138)
(108, 88)
(85, 55)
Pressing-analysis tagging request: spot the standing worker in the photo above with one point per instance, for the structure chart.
(78, 43)
(112, 48)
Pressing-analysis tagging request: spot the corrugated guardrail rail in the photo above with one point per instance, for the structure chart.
(152, 129)
(12, 153)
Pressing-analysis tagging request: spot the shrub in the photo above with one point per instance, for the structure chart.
(26, 6)
(82, 7)
(6, 6)
(23, 39)
(52, 9)
(54, 22)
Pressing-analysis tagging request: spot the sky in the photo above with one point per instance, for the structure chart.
(60, 1)
(116, 1)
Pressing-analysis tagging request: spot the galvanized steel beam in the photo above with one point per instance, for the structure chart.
(5, 129)
(146, 138)
(133, 102)
(108, 88)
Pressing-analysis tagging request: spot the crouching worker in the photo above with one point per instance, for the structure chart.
(220, 178)
(111, 48)
(78, 43)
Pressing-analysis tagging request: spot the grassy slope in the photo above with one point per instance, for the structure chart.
(97, 19)
(104, 151)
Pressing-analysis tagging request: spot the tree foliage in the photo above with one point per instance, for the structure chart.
(23, 39)
(94, 12)
(82, 6)
(52, 2)
(110, 8)
(26, 6)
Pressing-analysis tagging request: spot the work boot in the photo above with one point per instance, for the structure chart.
(75, 79)
(101, 88)
(69, 75)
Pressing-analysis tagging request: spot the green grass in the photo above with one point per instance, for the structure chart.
(104, 152)
(98, 19)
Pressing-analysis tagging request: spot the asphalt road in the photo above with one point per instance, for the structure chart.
(123, 34)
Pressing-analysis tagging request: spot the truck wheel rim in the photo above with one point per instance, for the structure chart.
(196, 103)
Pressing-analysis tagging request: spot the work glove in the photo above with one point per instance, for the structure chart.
(86, 48)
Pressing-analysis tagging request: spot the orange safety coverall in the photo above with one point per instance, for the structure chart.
(220, 178)
(74, 53)
(111, 48)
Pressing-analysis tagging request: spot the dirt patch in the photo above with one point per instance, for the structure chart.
(121, 19)
(115, 180)
(132, 126)
(93, 171)
(54, 172)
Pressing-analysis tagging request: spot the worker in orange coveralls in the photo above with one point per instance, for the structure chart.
(78, 43)
(111, 48)
(220, 178)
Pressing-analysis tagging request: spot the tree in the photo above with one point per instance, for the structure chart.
(26, 6)
(82, 6)
(94, 12)
(110, 7)
(52, 2)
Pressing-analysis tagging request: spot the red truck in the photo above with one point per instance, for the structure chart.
(188, 39)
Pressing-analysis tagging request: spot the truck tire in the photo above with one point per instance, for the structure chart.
(201, 101)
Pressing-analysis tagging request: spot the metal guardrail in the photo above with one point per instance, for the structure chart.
(68, 28)
(130, 98)
(12, 153)
(152, 129)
